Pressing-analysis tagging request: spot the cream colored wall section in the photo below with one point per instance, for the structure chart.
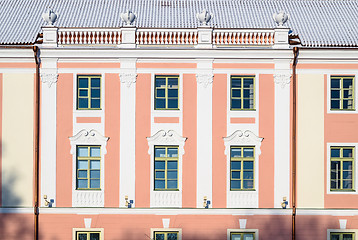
(310, 141)
(17, 139)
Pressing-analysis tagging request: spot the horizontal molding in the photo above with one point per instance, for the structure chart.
(88, 119)
(242, 120)
(166, 120)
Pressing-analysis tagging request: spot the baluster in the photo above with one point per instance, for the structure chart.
(230, 37)
(140, 39)
(76, 37)
(101, 33)
(68, 37)
(110, 39)
(72, 38)
(170, 37)
(104, 36)
(145, 37)
(97, 37)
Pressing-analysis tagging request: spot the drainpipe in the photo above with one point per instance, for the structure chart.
(294, 143)
(36, 143)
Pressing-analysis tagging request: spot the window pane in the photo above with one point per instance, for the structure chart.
(95, 103)
(94, 236)
(235, 152)
(236, 83)
(347, 165)
(159, 236)
(248, 165)
(95, 183)
(248, 175)
(160, 82)
(160, 174)
(248, 83)
(172, 152)
(236, 165)
(95, 151)
(236, 174)
(236, 184)
(335, 152)
(172, 184)
(172, 236)
(347, 153)
(248, 184)
(334, 185)
(172, 175)
(347, 184)
(247, 93)
(347, 236)
(83, 83)
(96, 82)
(173, 93)
(335, 83)
(172, 82)
(347, 93)
(172, 164)
(335, 104)
(248, 152)
(95, 174)
(84, 93)
(335, 94)
(159, 103)
(159, 152)
(95, 93)
(236, 93)
(235, 103)
(82, 164)
(82, 173)
(347, 83)
(82, 183)
(159, 165)
(83, 102)
(95, 164)
(247, 104)
(82, 236)
(236, 237)
(160, 92)
(248, 236)
(159, 184)
(82, 152)
(173, 103)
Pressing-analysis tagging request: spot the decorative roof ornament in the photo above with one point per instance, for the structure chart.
(128, 17)
(280, 18)
(204, 17)
(50, 17)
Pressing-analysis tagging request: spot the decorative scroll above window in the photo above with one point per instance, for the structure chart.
(88, 137)
(241, 138)
(163, 137)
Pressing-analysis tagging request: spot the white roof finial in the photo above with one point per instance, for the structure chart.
(50, 17)
(280, 18)
(204, 17)
(128, 17)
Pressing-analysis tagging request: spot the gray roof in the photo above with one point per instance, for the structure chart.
(319, 23)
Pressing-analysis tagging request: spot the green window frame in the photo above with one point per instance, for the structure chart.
(342, 93)
(88, 92)
(342, 168)
(342, 236)
(88, 168)
(166, 93)
(242, 236)
(242, 168)
(90, 235)
(168, 235)
(166, 168)
(242, 93)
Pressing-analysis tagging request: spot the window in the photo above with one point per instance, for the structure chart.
(88, 167)
(166, 168)
(166, 235)
(242, 163)
(242, 236)
(342, 236)
(88, 92)
(88, 235)
(242, 93)
(342, 168)
(342, 93)
(166, 93)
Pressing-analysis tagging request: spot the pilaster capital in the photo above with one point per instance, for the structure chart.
(49, 76)
(282, 79)
(204, 79)
(128, 78)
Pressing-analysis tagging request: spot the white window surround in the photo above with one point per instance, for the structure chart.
(243, 113)
(242, 199)
(179, 230)
(329, 95)
(88, 198)
(229, 231)
(166, 198)
(75, 230)
(329, 231)
(355, 162)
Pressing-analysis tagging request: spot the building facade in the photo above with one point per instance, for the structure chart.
(178, 120)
